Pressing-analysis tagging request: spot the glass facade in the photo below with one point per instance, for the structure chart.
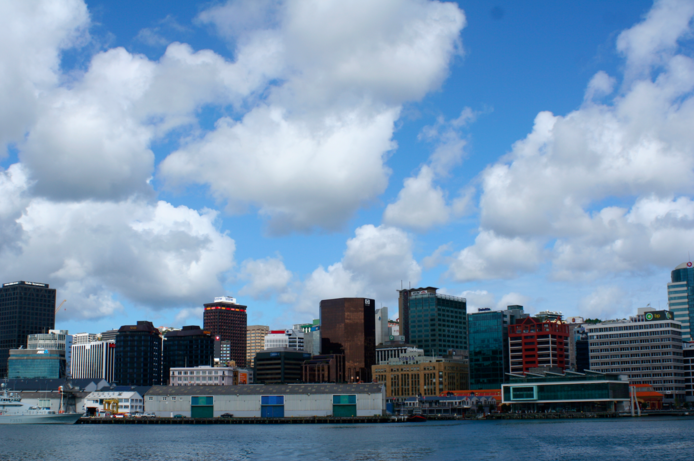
(568, 392)
(138, 355)
(30, 364)
(486, 342)
(437, 322)
(681, 297)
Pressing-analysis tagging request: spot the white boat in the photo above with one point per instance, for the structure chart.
(13, 411)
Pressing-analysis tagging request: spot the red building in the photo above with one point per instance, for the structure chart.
(533, 344)
(227, 321)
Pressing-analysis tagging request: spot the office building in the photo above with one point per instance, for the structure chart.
(646, 347)
(576, 392)
(534, 343)
(57, 340)
(292, 339)
(255, 341)
(36, 364)
(222, 353)
(489, 346)
(348, 328)
(209, 376)
(25, 308)
(680, 295)
(688, 361)
(93, 360)
(411, 376)
(312, 341)
(381, 325)
(582, 350)
(188, 347)
(324, 369)
(394, 328)
(109, 335)
(394, 350)
(227, 321)
(138, 355)
(433, 321)
(85, 338)
(279, 366)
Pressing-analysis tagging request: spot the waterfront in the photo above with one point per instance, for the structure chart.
(633, 439)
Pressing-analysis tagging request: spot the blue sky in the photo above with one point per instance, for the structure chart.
(159, 155)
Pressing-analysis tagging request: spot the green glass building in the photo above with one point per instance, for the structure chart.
(434, 322)
(488, 346)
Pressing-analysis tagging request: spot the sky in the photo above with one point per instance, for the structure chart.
(155, 155)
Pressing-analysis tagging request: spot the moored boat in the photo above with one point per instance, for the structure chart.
(416, 419)
(14, 411)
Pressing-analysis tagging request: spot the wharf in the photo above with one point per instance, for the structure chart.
(308, 420)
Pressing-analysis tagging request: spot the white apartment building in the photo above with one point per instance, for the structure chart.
(93, 360)
(647, 348)
(210, 376)
(293, 339)
(84, 338)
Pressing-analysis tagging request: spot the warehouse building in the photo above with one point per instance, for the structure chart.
(267, 401)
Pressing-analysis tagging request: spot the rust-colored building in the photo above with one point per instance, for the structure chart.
(348, 327)
(324, 369)
(533, 343)
(227, 321)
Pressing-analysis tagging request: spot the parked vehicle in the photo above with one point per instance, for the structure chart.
(227, 415)
(179, 416)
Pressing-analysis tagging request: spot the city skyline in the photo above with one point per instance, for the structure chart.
(156, 157)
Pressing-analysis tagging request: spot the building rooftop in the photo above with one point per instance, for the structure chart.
(267, 389)
(687, 265)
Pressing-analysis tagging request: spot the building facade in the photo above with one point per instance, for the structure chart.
(348, 328)
(279, 366)
(36, 364)
(646, 347)
(411, 376)
(533, 343)
(324, 369)
(138, 355)
(25, 308)
(188, 347)
(432, 321)
(381, 325)
(129, 403)
(227, 321)
(688, 361)
(292, 339)
(95, 360)
(394, 350)
(574, 392)
(268, 401)
(85, 338)
(255, 341)
(489, 346)
(680, 295)
(210, 376)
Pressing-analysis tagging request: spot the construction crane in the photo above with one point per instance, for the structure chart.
(58, 308)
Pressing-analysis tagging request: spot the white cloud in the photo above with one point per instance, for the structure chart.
(374, 263)
(606, 187)
(267, 277)
(313, 151)
(510, 299)
(606, 302)
(421, 205)
(189, 315)
(477, 299)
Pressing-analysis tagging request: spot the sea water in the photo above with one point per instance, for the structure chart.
(587, 439)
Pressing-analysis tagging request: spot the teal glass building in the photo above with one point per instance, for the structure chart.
(36, 364)
(437, 322)
(680, 295)
(488, 346)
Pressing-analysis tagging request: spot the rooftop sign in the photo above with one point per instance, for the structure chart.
(658, 315)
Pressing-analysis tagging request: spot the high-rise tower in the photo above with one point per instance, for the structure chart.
(680, 296)
(227, 321)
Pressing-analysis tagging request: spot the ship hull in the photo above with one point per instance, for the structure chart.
(70, 418)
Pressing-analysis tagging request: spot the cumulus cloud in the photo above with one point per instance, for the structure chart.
(189, 315)
(606, 302)
(266, 276)
(421, 204)
(373, 264)
(607, 187)
(313, 151)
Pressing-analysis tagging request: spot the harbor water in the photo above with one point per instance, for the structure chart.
(632, 439)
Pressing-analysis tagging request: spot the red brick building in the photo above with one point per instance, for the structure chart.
(533, 344)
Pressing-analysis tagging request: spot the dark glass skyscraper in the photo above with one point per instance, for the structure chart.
(26, 308)
(188, 347)
(348, 326)
(434, 322)
(138, 355)
(680, 295)
(488, 341)
(228, 321)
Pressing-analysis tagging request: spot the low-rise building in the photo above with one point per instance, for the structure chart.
(268, 401)
(210, 376)
(279, 366)
(128, 402)
(411, 376)
(569, 391)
